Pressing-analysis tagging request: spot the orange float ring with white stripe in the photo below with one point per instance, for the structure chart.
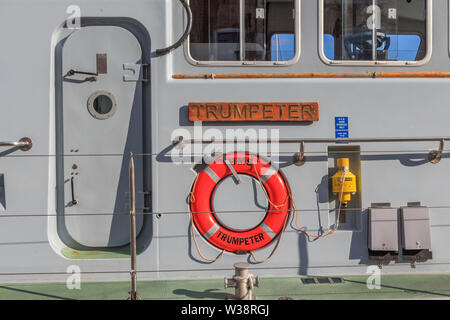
(225, 238)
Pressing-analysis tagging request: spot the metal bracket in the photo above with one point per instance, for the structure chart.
(72, 188)
(381, 205)
(177, 143)
(435, 156)
(237, 180)
(27, 144)
(299, 157)
(136, 76)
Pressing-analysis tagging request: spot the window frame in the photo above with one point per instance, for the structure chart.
(248, 63)
(426, 59)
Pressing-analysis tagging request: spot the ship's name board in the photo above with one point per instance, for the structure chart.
(253, 111)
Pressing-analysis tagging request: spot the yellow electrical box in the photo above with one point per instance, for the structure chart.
(344, 182)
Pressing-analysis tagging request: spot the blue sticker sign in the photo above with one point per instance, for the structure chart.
(341, 123)
(341, 127)
(342, 134)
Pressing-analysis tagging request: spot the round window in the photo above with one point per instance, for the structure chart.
(102, 105)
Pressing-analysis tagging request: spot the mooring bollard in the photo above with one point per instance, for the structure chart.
(243, 282)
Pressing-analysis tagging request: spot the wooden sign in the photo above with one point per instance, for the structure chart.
(253, 111)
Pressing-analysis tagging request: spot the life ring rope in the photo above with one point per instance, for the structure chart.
(276, 206)
(336, 224)
(261, 183)
(198, 248)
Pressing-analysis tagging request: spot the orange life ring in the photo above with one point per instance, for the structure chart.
(225, 238)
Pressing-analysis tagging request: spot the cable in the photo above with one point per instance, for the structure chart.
(276, 206)
(164, 51)
(191, 200)
(162, 213)
(336, 224)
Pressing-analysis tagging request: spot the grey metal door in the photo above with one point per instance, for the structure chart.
(102, 123)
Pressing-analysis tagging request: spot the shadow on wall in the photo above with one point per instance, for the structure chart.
(134, 144)
(303, 253)
(206, 294)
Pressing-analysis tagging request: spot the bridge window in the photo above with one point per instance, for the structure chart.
(236, 32)
(282, 46)
(400, 30)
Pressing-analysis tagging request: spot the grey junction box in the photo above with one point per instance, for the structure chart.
(416, 228)
(383, 229)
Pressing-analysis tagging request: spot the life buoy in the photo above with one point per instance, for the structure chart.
(223, 237)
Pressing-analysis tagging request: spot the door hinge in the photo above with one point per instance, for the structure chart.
(148, 201)
(138, 72)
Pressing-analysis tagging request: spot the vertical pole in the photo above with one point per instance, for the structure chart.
(278, 49)
(242, 29)
(133, 292)
(374, 30)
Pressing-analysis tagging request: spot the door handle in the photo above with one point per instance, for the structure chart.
(90, 79)
(73, 202)
(73, 72)
(102, 68)
(24, 144)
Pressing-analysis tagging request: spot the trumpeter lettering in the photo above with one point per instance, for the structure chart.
(255, 111)
(238, 240)
(243, 161)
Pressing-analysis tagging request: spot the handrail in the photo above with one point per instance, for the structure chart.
(315, 75)
(434, 156)
(23, 144)
(312, 140)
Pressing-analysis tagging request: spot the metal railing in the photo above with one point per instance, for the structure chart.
(434, 156)
(23, 144)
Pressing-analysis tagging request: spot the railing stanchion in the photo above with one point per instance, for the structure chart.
(133, 292)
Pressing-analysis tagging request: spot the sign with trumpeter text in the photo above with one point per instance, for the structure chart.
(253, 111)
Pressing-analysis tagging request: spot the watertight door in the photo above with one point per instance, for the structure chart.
(102, 123)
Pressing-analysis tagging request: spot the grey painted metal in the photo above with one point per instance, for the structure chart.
(383, 234)
(397, 172)
(101, 184)
(415, 228)
(245, 204)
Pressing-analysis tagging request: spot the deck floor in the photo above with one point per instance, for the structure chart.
(354, 287)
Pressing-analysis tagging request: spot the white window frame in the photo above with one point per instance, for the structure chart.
(297, 35)
(426, 59)
(448, 28)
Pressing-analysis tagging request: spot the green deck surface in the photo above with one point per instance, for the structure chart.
(354, 287)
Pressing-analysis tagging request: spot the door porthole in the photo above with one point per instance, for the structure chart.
(102, 105)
